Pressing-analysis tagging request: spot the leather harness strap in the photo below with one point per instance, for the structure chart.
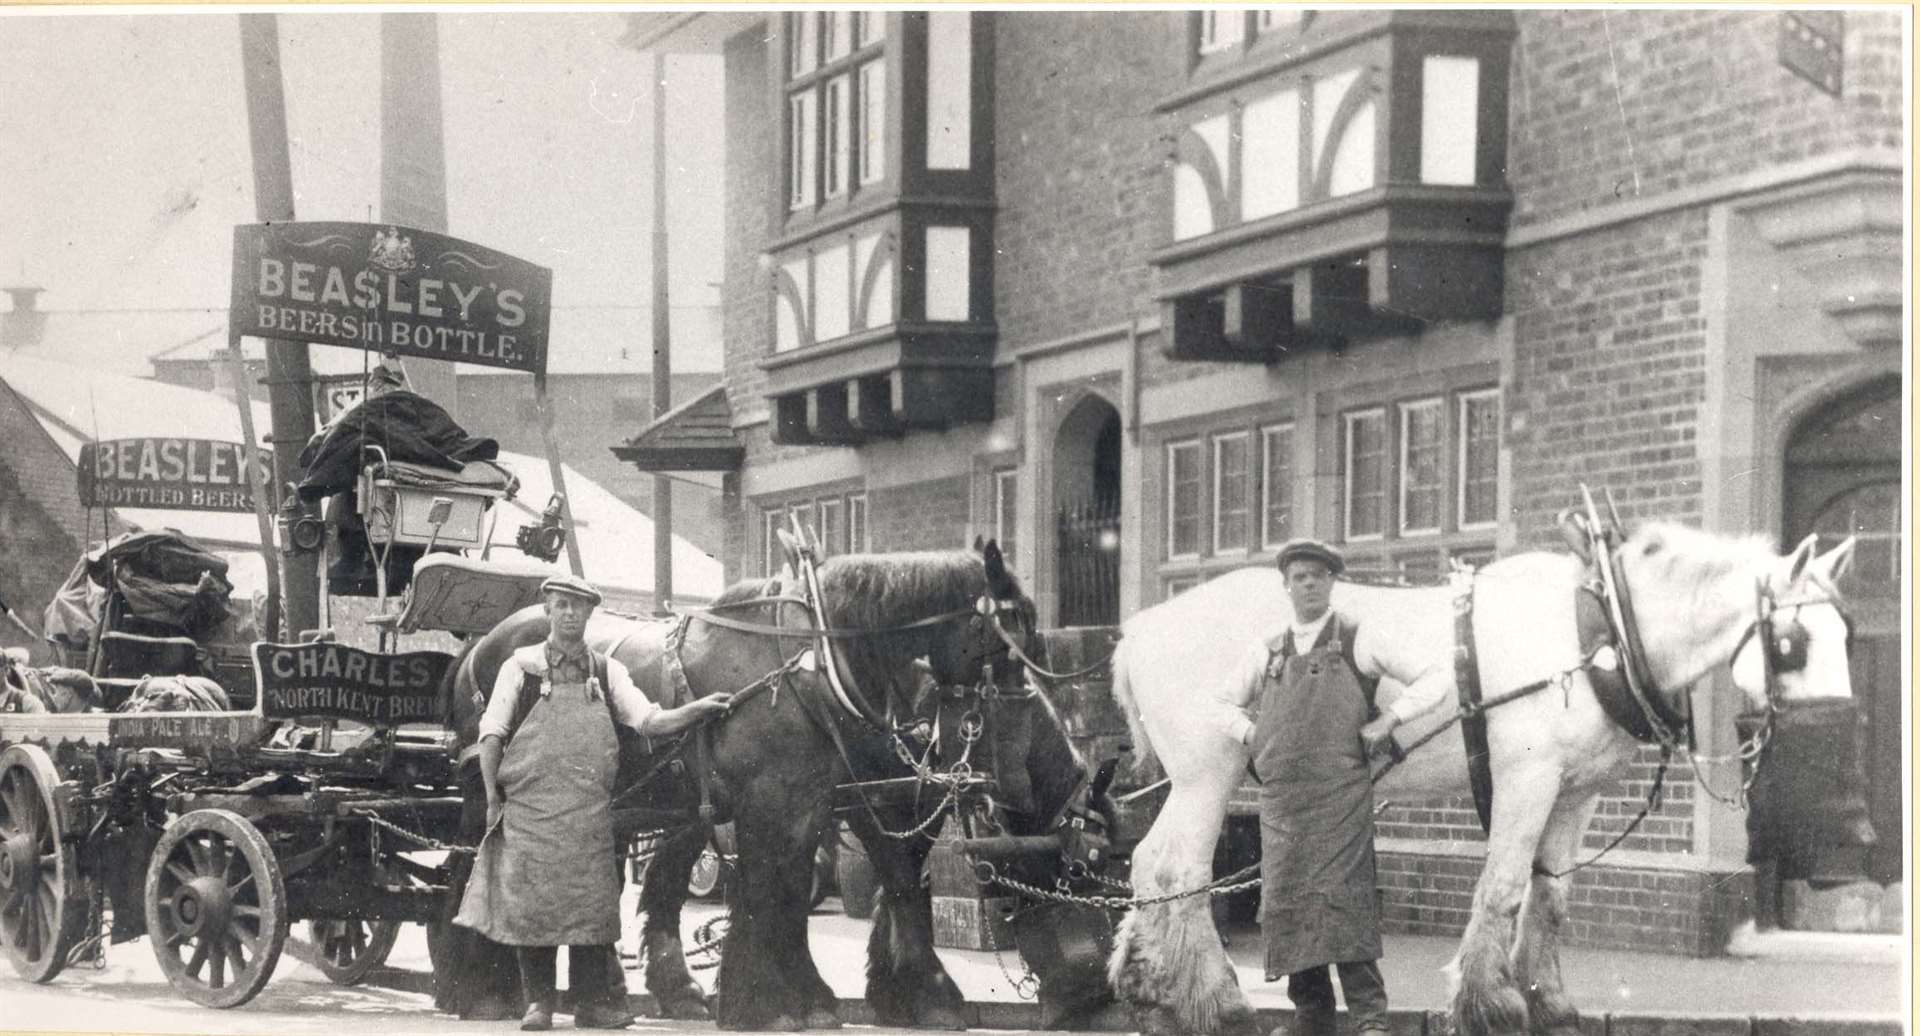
(1473, 718)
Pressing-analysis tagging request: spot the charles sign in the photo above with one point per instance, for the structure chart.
(169, 474)
(334, 680)
(388, 288)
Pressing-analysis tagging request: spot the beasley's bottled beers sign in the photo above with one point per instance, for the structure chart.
(388, 288)
(169, 473)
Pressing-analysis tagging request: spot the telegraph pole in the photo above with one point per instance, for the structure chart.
(289, 378)
(662, 363)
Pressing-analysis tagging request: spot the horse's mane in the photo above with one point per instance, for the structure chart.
(745, 590)
(1692, 564)
(871, 591)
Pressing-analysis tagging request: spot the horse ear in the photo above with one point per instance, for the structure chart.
(790, 546)
(1797, 561)
(979, 545)
(996, 564)
(1834, 563)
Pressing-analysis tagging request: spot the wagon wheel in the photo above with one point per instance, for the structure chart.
(216, 907)
(345, 951)
(43, 905)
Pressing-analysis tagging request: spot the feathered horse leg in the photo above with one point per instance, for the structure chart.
(1487, 1000)
(1537, 957)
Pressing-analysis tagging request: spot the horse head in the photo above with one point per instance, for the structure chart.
(1002, 633)
(1704, 600)
(1796, 649)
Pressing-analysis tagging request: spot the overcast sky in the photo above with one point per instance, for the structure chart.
(124, 160)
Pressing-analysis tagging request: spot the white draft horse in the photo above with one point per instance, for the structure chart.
(1698, 601)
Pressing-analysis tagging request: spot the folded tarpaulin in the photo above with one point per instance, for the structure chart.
(405, 426)
(168, 555)
(163, 577)
(484, 474)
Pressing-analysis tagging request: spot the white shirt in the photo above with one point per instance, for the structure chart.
(630, 707)
(1242, 687)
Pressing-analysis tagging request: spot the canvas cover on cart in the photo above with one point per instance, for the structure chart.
(405, 426)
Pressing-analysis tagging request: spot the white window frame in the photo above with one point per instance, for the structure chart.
(803, 128)
(1347, 422)
(803, 43)
(836, 123)
(1172, 495)
(871, 27)
(1246, 471)
(1467, 399)
(857, 519)
(1006, 492)
(836, 544)
(836, 35)
(771, 557)
(1403, 481)
(1212, 39)
(871, 81)
(1267, 436)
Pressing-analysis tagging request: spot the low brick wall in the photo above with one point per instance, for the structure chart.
(1689, 913)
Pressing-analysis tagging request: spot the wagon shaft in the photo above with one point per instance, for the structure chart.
(336, 898)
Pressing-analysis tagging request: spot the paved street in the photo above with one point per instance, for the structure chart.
(1843, 979)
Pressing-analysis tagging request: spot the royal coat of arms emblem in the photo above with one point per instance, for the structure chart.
(391, 251)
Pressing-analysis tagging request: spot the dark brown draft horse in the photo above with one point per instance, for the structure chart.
(776, 759)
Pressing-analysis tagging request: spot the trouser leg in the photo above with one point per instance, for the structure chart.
(1366, 995)
(588, 973)
(536, 971)
(1311, 991)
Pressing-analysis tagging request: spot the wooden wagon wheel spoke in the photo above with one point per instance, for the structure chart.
(45, 901)
(199, 958)
(230, 902)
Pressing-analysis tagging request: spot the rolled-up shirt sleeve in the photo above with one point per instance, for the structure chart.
(630, 706)
(503, 701)
(1232, 697)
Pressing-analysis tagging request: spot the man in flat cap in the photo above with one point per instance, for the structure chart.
(1315, 727)
(542, 877)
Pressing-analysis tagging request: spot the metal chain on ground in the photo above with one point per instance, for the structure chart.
(1027, 986)
(90, 948)
(706, 942)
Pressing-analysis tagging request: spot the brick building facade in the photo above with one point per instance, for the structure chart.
(1398, 279)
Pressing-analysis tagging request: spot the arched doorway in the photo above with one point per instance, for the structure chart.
(1086, 505)
(1842, 478)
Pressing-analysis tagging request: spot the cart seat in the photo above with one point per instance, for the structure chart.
(133, 655)
(464, 595)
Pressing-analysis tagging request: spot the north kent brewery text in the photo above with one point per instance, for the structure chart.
(326, 679)
(174, 474)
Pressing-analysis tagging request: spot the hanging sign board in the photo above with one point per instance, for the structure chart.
(333, 680)
(169, 474)
(335, 394)
(388, 288)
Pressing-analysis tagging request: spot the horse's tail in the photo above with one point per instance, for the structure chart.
(1123, 697)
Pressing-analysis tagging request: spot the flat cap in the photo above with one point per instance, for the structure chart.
(1311, 550)
(573, 585)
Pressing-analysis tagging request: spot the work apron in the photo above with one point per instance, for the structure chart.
(540, 876)
(1316, 812)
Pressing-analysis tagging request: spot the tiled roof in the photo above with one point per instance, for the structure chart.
(695, 436)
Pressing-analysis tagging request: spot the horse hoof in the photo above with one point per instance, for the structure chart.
(823, 1018)
(684, 1008)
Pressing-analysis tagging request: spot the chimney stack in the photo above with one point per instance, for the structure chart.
(24, 324)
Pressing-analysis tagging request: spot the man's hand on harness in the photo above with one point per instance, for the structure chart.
(1377, 735)
(699, 710)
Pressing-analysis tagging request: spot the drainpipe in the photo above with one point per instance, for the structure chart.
(662, 358)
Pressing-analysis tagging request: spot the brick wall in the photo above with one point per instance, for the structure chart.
(1080, 174)
(1679, 912)
(752, 135)
(1609, 371)
(923, 516)
(1610, 106)
(43, 528)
